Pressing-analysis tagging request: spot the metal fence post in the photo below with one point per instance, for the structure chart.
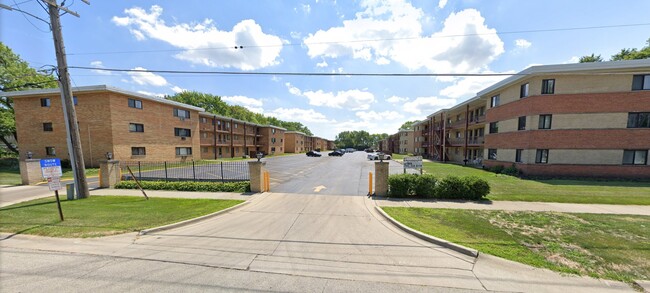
(193, 171)
(139, 171)
(165, 171)
(222, 180)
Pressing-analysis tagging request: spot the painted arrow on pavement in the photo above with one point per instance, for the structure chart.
(319, 188)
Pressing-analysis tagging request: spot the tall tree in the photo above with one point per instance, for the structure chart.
(16, 75)
(630, 54)
(591, 58)
(408, 124)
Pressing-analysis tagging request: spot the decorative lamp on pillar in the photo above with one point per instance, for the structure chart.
(259, 156)
(382, 156)
(29, 155)
(109, 156)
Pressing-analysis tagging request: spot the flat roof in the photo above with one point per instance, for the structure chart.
(296, 132)
(98, 88)
(566, 68)
(227, 118)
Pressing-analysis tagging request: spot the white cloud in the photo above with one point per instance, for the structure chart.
(465, 43)
(350, 99)
(427, 105)
(147, 78)
(322, 64)
(99, 64)
(158, 95)
(306, 8)
(295, 35)
(396, 100)
(442, 4)
(301, 115)
(574, 59)
(467, 87)
(195, 38)
(379, 116)
(293, 90)
(178, 89)
(522, 44)
(254, 105)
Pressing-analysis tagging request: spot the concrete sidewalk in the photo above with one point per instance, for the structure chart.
(516, 206)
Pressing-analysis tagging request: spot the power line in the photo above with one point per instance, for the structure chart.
(294, 73)
(244, 46)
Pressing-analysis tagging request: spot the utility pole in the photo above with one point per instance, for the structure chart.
(76, 154)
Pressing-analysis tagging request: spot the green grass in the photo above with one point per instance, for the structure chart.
(10, 176)
(102, 215)
(615, 247)
(505, 187)
(90, 172)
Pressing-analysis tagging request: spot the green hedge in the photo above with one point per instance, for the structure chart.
(242, 186)
(428, 186)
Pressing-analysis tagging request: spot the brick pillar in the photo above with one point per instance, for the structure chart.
(381, 178)
(109, 173)
(256, 169)
(30, 171)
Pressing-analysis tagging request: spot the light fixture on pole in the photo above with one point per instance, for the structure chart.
(29, 155)
(109, 156)
(259, 156)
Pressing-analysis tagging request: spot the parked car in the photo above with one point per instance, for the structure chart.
(375, 156)
(350, 150)
(313, 154)
(335, 154)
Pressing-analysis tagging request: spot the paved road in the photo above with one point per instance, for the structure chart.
(346, 175)
(12, 194)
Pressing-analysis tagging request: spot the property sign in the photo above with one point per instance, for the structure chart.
(54, 183)
(51, 168)
(413, 162)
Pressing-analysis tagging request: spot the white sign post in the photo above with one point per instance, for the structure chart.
(51, 169)
(413, 163)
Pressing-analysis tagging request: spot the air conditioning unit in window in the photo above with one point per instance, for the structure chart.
(183, 138)
(181, 118)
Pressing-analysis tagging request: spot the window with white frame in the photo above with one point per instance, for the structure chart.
(183, 151)
(138, 151)
(180, 113)
(133, 103)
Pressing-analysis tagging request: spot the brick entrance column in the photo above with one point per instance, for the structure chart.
(256, 169)
(381, 178)
(109, 173)
(30, 171)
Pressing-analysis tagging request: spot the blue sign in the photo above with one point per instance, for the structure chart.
(56, 162)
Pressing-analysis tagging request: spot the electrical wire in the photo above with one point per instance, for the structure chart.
(25, 13)
(244, 46)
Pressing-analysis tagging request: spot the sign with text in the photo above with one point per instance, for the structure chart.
(413, 162)
(54, 183)
(51, 168)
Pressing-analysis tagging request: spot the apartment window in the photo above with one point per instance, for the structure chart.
(273, 131)
(204, 120)
(494, 127)
(641, 82)
(522, 123)
(523, 92)
(541, 157)
(133, 103)
(635, 157)
(548, 86)
(47, 126)
(545, 121)
(204, 149)
(273, 140)
(638, 120)
(138, 151)
(136, 127)
(457, 134)
(183, 151)
(492, 154)
(458, 117)
(50, 151)
(518, 153)
(180, 113)
(183, 132)
(236, 125)
(494, 101)
(46, 102)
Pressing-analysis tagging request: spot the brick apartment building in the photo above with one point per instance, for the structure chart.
(135, 127)
(586, 119)
(295, 142)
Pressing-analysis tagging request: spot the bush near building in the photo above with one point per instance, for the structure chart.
(428, 186)
(242, 186)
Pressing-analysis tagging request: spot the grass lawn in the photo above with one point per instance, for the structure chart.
(68, 174)
(9, 176)
(613, 247)
(102, 215)
(505, 187)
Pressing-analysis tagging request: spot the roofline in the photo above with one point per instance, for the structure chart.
(228, 118)
(273, 126)
(296, 132)
(98, 88)
(562, 68)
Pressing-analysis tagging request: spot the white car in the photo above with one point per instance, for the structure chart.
(375, 156)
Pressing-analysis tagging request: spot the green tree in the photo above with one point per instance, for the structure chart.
(591, 58)
(16, 75)
(358, 139)
(408, 124)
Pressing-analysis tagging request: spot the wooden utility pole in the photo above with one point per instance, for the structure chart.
(76, 154)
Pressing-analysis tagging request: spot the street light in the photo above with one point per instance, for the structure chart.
(109, 156)
(259, 156)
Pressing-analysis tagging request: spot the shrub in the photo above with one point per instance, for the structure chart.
(452, 187)
(477, 188)
(512, 171)
(425, 185)
(242, 186)
(401, 185)
(497, 169)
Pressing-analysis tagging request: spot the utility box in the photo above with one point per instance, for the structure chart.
(69, 188)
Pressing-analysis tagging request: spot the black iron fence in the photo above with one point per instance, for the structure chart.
(187, 171)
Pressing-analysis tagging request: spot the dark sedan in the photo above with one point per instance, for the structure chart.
(335, 153)
(313, 154)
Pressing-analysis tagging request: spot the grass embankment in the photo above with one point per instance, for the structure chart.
(613, 247)
(505, 187)
(102, 215)
(10, 176)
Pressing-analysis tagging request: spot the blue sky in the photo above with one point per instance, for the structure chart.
(398, 36)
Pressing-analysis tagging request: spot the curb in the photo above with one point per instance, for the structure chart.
(190, 221)
(444, 243)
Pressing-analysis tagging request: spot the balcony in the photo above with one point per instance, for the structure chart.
(479, 119)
